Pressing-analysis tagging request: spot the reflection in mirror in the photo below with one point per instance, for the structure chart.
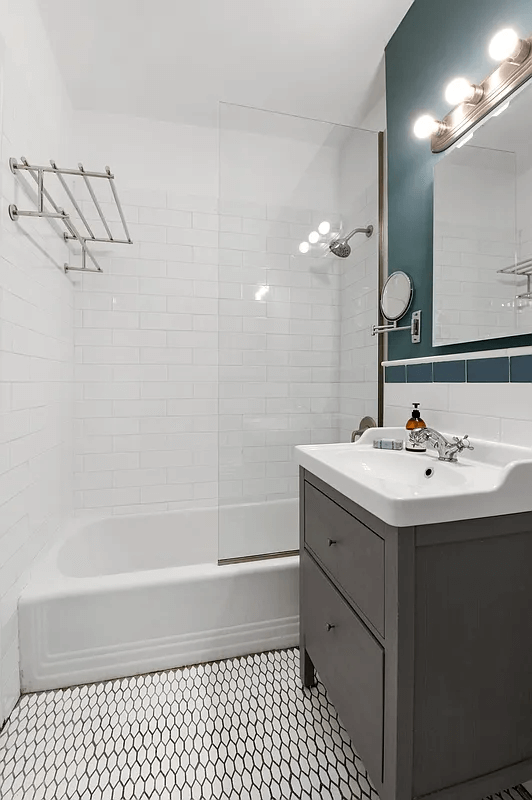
(396, 296)
(483, 230)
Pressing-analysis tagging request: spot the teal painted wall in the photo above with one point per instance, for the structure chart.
(437, 41)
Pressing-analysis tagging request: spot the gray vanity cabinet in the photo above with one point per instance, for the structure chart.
(423, 638)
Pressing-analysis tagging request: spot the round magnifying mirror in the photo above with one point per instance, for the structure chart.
(396, 296)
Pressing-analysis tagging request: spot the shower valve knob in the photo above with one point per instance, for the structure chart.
(329, 627)
(330, 542)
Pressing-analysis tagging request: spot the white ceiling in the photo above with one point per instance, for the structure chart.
(174, 60)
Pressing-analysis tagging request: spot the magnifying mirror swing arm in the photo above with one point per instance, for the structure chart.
(400, 286)
(414, 328)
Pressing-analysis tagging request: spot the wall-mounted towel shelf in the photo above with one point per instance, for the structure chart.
(524, 269)
(72, 232)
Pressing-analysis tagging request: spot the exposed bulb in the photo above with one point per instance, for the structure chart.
(314, 237)
(425, 126)
(304, 247)
(504, 45)
(324, 227)
(460, 91)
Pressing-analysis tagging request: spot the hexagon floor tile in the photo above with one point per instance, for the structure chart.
(240, 728)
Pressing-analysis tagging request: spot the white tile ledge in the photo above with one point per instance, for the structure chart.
(509, 351)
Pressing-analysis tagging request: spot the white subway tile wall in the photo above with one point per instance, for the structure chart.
(474, 301)
(36, 331)
(279, 351)
(243, 356)
(359, 303)
(147, 361)
(476, 234)
(212, 346)
(494, 411)
(524, 248)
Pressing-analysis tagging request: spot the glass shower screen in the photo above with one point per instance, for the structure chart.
(296, 361)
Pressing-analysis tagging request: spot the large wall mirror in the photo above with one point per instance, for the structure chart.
(482, 225)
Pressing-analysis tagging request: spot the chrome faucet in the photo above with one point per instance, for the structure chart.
(365, 424)
(447, 451)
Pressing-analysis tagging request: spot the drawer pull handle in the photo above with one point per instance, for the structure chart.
(329, 627)
(330, 542)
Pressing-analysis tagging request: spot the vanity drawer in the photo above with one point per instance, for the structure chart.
(350, 551)
(349, 661)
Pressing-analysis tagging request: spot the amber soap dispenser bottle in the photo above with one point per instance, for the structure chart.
(413, 423)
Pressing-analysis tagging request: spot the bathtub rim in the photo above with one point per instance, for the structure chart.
(47, 580)
(46, 566)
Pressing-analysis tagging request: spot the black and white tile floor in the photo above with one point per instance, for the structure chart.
(241, 728)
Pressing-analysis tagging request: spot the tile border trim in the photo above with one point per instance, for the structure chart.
(467, 368)
(509, 352)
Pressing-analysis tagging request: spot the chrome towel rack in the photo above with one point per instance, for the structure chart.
(37, 173)
(524, 269)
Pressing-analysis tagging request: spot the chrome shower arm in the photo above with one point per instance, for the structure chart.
(342, 248)
(368, 231)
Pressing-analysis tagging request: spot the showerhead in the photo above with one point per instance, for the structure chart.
(342, 248)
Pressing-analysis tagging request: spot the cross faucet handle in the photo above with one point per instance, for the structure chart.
(463, 444)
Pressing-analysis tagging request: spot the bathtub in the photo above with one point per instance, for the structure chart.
(126, 595)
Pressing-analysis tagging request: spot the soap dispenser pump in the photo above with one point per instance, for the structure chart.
(413, 424)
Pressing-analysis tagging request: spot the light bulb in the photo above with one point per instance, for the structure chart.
(304, 247)
(425, 126)
(324, 227)
(314, 237)
(504, 45)
(461, 91)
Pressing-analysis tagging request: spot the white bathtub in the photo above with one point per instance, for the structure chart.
(127, 595)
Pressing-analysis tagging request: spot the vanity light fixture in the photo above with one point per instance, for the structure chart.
(471, 102)
(464, 141)
(426, 126)
(304, 247)
(314, 237)
(460, 90)
(507, 46)
(324, 227)
(501, 109)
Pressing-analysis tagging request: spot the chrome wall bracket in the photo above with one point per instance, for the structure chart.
(528, 294)
(522, 269)
(414, 328)
(72, 232)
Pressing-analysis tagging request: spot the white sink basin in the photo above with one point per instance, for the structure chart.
(405, 488)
